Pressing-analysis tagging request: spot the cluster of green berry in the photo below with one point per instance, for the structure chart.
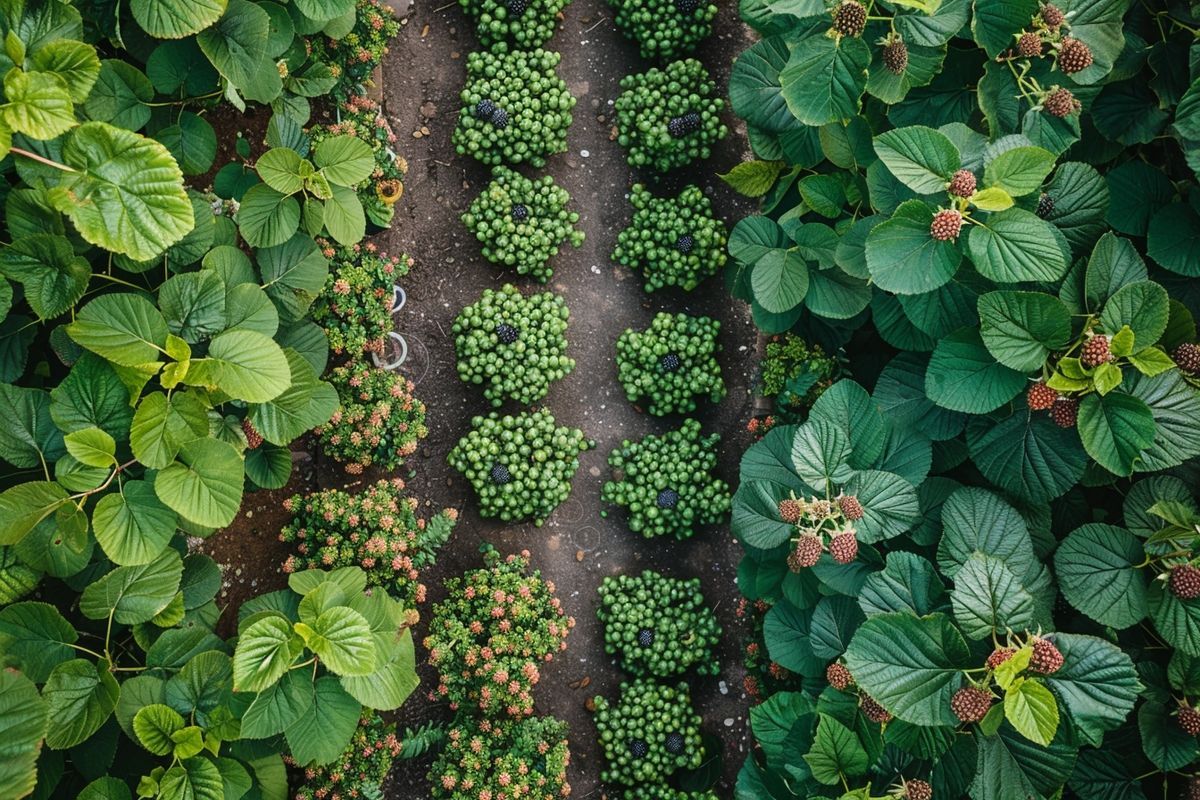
(650, 732)
(515, 107)
(520, 466)
(361, 768)
(659, 626)
(353, 57)
(376, 530)
(487, 638)
(666, 483)
(522, 223)
(674, 241)
(668, 117)
(665, 793)
(794, 374)
(671, 363)
(525, 758)
(512, 344)
(355, 307)
(525, 23)
(378, 421)
(665, 28)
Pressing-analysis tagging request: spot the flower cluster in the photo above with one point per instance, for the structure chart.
(521, 466)
(671, 363)
(794, 374)
(665, 28)
(668, 117)
(376, 529)
(525, 23)
(522, 222)
(659, 626)
(361, 769)
(822, 525)
(487, 638)
(513, 345)
(515, 107)
(377, 422)
(650, 732)
(490, 760)
(355, 307)
(353, 57)
(674, 241)
(361, 117)
(666, 483)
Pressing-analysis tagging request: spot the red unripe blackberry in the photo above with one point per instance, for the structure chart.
(844, 547)
(1187, 358)
(1189, 719)
(838, 676)
(1061, 103)
(1074, 56)
(946, 225)
(807, 553)
(872, 710)
(962, 183)
(1095, 351)
(895, 56)
(789, 511)
(971, 704)
(253, 437)
(1065, 412)
(1046, 657)
(851, 508)
(1040, 397)
(999, 656)
(1185, 582)
(850, 18)
(1029, 45)
(1045, 206)
(1052, 16)
(917, 790)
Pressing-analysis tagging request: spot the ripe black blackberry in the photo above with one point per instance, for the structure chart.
(971, 703)
(838, 676)
(789, 511)
(1052, 16)
(1029, 45)
(645, 637)
(850, 18)
(851, 508)
(499, 118)
(499, 474)
(1187, 358)
(806, 553)
(516, 7)
(484, 109)
(1074, 56)
(1045, 206)
(506, 333)
(872, 710)
(676, 128)
(999, 656)
(1065, 412)
(946, 225)
(844, 547)
(1046, 658)
(1040, 397)
(667, 499)
(685, 243)
(917, 790)
(519, 212)
(1095, 351)
(962, 183)
(687, 7)
(669, 363)
(638, 748)
(1184, 582)
(1189, 719)
(1061, 103)
(895, 56)
(674, 743)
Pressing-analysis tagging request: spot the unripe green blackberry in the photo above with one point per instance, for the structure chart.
(1040, 397)
(962, 183)
(946, 225)
(1187, 358)
(648, 372)
(525, 24)
(665, 29)
(1095, 351)
(850, 18)
(971, 704)
(669, 117)
(1073, 56)
(674, 241)
(644, 711)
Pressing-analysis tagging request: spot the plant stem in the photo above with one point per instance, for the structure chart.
(43, 160)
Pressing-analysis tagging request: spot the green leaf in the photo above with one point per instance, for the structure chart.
(80, 699)
(819, 452)
(1097, 567)
(779, 280)
(36, 637)
(1166, 744)
(389, 686)
(75, 62)
(54, 278)
(192, 143)
(123, 328)
(28, 438)
(122, 96)
(836, 752)
(904, 258)
(1019, 171)
(245, 365)
(280, 168)
(912, 666)
(922, 158)
(39, 104)
(237, 46)
(321, 734)
(92, 446)
(175, 19)
(753, 178)
(23, 719)
(1010, 765)
(267, 217)
(1144, 306)
(1031, 709)
(992, 198)
(1016, 246)
(1115, 429)
(192, 779)
(342, 639)
(1173, 239)
(978, 521)
(1021, 329)
(134, 594)
(344, 160)
(824, 79)
(786, 630)
(265, 650)
(906, 583)
(1027, 454)
(278, 706)
(26, 505)
(154, 725)
(161, 426)
(989, 599)
(293, 275)
(890, 505)
(963, 375)
(133, 526)
(1096, 686)
(307, 403)
(205, 484)
(344, 216)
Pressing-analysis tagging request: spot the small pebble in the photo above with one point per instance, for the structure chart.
(584, 153)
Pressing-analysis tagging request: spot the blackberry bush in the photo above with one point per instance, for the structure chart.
(491, 633)
(526, 758)
(378, 422)
(520, 466)
(521, 222)
(671, 363)
(665, 29)
(666, 482)
(674, 241)
(355, 307)
(514, 345)
(669, 117)
(524, 23)
(376, 529)
(658, 626)
(361, 769)
(649, 733)
(516, 109)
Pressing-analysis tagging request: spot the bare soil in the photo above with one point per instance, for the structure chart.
(577, 547)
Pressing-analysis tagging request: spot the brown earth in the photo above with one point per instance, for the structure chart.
(577, 547)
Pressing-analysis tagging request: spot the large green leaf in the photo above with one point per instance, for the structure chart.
(267, 217)
(265, 651)
(847, 405)
(194, 305)
(904, 258)
(344, 160)
(754, 86)
(1097, 567)
(989, 599)
(1167, 745)
(161, 425)
(53, 276)
(787, 631)
(134, 594)
(1020, 170)
(23, 720)
(39, 104)
(341, 638)
(1016, 246)
(1114, 263)
(824, 78)
(307, 403)
(204, 484)
(1031, 709)
(922, 158)
(1027, 454)
(836, 753)
(889, 504)
(819, 453)
(344, 216)
(175, 19)
(80, 699)
(1175, 406)
(389, 686)
(237, 46)
(779, 280)
(323, 731)
(133, 526)
(27, 506)
(906, 583)
(293, 275)
(28, 437)
(245, 365)
(1021, 329)
(963, 376)
(90, 395)
(978, 521)
(124, 328)
(1173, 239)
(278, 706)
(1115, 428)
(1097, 684)
(1010, 765)
(36, 637)
(192, 779)
(911, 665)
(1144, 306)
(153, 725)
